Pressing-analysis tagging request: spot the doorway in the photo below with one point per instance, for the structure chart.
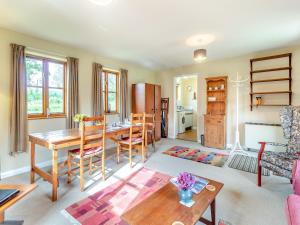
(186, 108)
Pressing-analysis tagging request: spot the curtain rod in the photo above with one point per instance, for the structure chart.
(45, 52)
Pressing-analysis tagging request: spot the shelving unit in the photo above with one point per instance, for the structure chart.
(280, 79)
(215, 119)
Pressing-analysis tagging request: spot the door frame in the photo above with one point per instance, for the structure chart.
(175, 125)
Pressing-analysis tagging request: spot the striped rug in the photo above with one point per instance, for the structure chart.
(246, 163)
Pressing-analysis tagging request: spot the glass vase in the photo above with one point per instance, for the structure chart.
(185, 196)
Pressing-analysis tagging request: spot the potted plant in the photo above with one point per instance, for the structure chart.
(79, 117)
(185, 181)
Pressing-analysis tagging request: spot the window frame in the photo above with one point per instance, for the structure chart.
(45, 88)
(106, 71)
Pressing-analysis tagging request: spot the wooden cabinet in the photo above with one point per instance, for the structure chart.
(215, 118)
(147, 98)
(214, 131)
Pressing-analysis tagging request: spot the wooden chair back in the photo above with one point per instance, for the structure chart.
(150, 122)
(137, 128)
(92, 130)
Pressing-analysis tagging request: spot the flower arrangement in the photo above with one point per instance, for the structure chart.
(186, 181)
(79, 117)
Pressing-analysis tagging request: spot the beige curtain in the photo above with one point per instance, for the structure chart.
(97, 89)
(73, 93)
(123, 94)
(18, 119)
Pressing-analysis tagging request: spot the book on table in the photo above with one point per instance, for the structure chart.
(7, 194)
(198, 186)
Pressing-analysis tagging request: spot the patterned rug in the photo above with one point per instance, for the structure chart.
(107, 205)
(212, 158)
(247, 164)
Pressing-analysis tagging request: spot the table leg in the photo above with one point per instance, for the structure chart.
(54, 174)
(213, 215)
(2, 217)
(32, 173)
(213, 212)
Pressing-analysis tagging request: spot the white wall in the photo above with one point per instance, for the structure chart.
(230, 67)
(136, 74)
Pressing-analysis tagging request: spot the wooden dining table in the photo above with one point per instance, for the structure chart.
(58, 140)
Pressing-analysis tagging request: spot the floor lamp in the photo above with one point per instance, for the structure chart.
(237, 148)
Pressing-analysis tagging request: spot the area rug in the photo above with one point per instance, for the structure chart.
(106, 206)
(247, 164)
(211, 158)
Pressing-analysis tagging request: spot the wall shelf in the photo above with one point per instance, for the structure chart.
(261, 80)
(270, 93)
(271, 70)
(270, 80)
(268, 105)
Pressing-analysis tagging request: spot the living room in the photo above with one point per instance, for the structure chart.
(114, 70)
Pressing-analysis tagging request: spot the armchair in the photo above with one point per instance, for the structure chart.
(281, 163)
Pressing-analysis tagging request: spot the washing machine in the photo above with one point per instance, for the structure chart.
(181, 121)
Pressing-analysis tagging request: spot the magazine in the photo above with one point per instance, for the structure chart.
(199, 185)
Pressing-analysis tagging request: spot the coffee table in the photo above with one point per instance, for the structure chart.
(163, 207)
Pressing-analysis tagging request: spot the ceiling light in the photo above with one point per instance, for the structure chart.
(200, 40)
(200, 55)
(101, 2)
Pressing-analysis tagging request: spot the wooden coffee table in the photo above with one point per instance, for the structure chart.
(163, 207)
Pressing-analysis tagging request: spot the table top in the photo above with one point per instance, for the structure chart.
(24, 190)
(58, 138)
(163, 207)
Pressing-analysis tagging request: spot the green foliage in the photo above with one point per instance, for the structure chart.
(79, 117)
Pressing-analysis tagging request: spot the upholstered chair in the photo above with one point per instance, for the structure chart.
(281, 163)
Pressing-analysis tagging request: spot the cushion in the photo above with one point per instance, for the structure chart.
(87, 152)
(135, 140)
(292, 209)
(296, 177)
(276, 169)
(282, 160)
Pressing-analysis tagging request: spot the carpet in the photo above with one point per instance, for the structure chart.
(106, 206)
(211, 158)
(247, 164)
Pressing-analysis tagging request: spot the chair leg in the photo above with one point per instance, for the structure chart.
(103, 165)
(130, 157)
(118, 153)
(69, 167)
(143, 152)
(81, 170)
(261, 151)
(153, 142)
(259, 175)
(91, 166)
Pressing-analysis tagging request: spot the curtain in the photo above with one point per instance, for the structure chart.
(73, 93)
(123, 94)
(97, 89)
(18, 119)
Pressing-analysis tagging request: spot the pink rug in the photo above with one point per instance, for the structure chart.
(106, 206)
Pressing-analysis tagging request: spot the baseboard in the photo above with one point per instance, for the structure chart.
(26, 169)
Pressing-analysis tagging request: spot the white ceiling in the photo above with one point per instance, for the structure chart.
(153, 32)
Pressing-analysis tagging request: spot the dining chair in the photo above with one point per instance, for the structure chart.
(150, 129)
(136, 139)
(92, 145)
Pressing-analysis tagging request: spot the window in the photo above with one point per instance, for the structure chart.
(46, 80)
(110, 88)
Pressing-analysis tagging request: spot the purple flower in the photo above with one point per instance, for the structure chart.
(185, 181)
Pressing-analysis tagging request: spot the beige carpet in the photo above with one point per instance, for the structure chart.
(240, 202)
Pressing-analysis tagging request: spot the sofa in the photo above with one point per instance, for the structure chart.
(292, 206)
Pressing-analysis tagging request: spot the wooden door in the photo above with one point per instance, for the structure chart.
(157, 110)
(138, 98)
(149, 98)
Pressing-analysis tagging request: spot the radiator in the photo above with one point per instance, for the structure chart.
(256, 132)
